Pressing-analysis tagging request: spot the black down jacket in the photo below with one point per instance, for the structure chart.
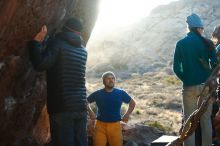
(64, 59)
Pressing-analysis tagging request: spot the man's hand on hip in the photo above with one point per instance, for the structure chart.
(125, 118)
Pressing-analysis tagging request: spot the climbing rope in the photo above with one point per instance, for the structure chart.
(208, 91)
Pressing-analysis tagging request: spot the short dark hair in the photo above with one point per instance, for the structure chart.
(216, 32)
(207, 42)
(105, 74)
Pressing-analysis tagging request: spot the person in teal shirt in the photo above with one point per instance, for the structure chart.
(194, 59)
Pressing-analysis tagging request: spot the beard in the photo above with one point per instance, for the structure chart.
(110, 86)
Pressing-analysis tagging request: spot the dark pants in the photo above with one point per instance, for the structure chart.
(198, 136)
(68, 129)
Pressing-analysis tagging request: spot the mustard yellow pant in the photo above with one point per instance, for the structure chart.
(110, 132)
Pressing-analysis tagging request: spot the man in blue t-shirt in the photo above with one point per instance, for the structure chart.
(109, 101)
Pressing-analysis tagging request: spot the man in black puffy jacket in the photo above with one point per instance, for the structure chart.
(64, 59)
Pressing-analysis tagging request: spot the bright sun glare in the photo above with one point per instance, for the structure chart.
(119, 13)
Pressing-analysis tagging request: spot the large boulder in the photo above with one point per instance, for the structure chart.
(23, 95)
(140, 134)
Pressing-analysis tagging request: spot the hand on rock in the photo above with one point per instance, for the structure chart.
(41, 35)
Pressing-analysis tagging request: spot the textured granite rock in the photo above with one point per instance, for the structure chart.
(22, 90)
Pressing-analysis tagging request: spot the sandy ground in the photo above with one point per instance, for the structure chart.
(158, 98)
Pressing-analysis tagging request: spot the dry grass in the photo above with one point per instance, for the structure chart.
(158, 98)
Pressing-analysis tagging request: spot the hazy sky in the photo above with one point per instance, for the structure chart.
(119, 13)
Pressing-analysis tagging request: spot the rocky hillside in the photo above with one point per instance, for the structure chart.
(148, 45)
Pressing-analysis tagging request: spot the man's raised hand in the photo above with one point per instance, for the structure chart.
(41, 35)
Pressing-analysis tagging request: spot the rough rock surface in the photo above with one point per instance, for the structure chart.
(22, 90)
(140, 134)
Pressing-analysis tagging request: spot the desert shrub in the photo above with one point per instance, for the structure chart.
(138, 112)
(157, 125)
(175, 105)
(171, 80)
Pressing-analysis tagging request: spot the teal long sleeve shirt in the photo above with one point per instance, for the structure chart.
(192, 60)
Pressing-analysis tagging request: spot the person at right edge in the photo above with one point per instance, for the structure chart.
(216, 110)
(194, 59)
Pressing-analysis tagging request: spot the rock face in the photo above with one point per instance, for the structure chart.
(148, 45)
(23, 94)
(140, 134)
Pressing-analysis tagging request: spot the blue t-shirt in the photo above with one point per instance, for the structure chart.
(109, 103)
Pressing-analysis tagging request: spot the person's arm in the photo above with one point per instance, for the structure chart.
(131, 106)
(91, 98)
(177, 63)
(213, 58)
(92, 115)
(42, 59)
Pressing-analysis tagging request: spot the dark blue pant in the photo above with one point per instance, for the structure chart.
(68, 129)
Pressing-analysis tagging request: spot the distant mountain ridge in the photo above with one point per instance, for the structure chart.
(148, 45)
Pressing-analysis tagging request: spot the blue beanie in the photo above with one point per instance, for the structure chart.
(194, 20)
